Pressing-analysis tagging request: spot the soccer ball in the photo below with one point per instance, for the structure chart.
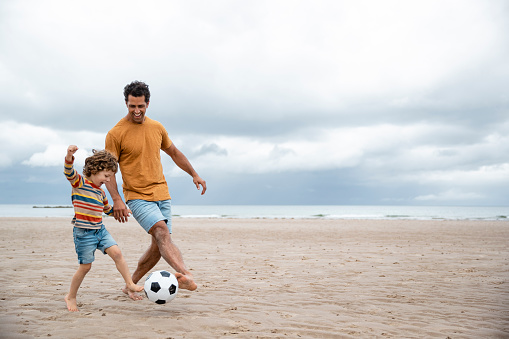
(161, 287)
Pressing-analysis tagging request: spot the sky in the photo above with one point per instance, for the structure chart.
(273, 102)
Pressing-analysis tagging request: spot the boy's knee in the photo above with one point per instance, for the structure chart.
(85, 267)
(114, 252)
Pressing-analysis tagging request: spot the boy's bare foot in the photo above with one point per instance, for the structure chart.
(135, 288)
(132, 293)
(72, 306)
(186, 282)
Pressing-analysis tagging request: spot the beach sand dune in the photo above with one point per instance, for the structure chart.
(268, 278)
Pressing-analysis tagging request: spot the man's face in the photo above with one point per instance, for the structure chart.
(137, 108)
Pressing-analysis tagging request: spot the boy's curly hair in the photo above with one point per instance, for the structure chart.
(100, 161)
(137, 89)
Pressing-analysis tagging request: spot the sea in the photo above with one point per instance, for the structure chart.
(500, 213)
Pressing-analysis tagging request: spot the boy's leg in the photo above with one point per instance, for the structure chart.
(115, 254)
(77, 279)
(108, 246)
(85, 244)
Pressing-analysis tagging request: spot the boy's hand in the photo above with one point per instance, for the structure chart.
(70, 151)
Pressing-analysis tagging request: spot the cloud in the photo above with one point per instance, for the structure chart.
(483, 176)
(53, 155)
(452, 195)
(211, 149)
(412, 151)
(269, 62)
(35, 146)
(393, 100)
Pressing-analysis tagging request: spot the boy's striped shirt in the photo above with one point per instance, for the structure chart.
(89, 200)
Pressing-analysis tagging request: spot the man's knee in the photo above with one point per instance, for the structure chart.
(160, 229)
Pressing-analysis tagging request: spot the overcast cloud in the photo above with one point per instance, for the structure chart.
(273, 102)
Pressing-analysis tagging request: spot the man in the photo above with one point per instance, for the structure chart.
(136, 141)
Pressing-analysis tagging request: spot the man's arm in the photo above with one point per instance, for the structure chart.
(120, 210)
(181, 161)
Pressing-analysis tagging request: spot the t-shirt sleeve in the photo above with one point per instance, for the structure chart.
(112, 146)
(165, 141)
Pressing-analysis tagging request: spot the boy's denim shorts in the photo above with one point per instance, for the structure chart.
(86, 241)
(148, 213)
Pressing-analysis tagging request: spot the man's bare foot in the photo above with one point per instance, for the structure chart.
(186, 282)
(72, 306)
(132, 293)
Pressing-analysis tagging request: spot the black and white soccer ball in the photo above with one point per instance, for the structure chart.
(161, 287)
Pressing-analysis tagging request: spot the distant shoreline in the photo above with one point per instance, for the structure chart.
(62, 206)
(315, 212)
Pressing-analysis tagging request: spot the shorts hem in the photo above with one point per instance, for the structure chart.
(148, 213)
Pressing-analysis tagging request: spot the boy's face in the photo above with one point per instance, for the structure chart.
(136, 109)
(101, 177)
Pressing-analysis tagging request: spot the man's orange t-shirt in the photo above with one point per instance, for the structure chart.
(137, 148)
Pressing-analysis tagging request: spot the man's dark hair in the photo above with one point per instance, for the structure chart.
(137, 89)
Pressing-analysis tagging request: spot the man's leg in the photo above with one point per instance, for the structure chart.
(147, 261)
(170, 252)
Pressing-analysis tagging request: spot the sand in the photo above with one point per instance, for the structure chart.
(265, 278)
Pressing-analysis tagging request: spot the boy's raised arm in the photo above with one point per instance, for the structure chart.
(70, 173)
(70, 152)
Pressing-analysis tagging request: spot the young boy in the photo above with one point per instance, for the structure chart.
(89, 202)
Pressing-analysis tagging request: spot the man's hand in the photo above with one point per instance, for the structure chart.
(180, 159)
(120, 211)
(199, 181)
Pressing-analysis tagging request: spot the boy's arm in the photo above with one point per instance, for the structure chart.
(108, 209)
(69, 171)
(70, 153)
(120, 210)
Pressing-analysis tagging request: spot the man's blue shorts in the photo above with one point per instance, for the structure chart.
(86, 241)
(148, 213)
